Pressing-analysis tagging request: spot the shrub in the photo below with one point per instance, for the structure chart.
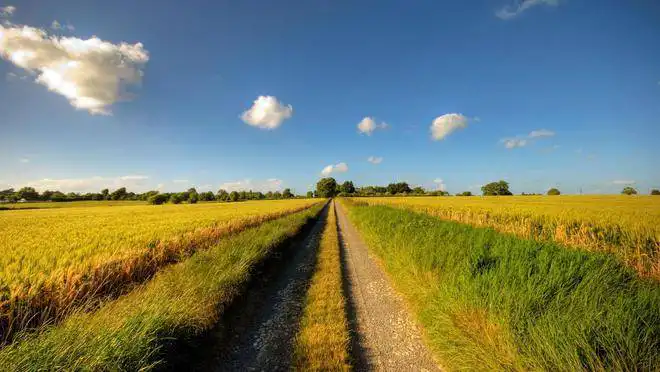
(157, 199)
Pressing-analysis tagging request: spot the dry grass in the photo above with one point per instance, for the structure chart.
(56, 260)
(628, 227)
(322, 342)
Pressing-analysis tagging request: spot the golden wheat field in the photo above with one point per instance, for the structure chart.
(629, 227)
(54, 258)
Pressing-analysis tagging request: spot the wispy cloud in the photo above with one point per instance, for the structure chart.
(541, 133)
(337, 168)
(55, 25)
(375, 159)
(512, 143)
(513, 10)
(24, 160)
(267, 113)
(368, 125)
(271, 184)
(440, 184)
(7, 11)
(624, 182)
(96, 183)
(522, 141)
(445, 124)
(91, 73)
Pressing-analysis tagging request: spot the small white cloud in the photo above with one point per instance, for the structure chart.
(58, 26)
(337, 168)
(444, 125)
(271, 184)
(375, 159)
(206, 187)
(440, 184)
(24, 160)
(368, 125)
(541, 133)
(7, 11)
(624, 182)
(92, 74)
(512, 11)
(267, 113)
(511, 143)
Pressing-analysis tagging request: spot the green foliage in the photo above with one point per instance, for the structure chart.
(418, 190)
(499, 302)
(655, 192)
(554, 191)
(119, 194)
(496, 188)
(310, 194)
(398, 188)
(176, 199)
(465, 193)
(326, 187)
(286, 194)
(233, 196)
(157, 199)
(347, 187)
(628, 190)
(27, 193)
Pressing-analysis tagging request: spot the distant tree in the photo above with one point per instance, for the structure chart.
(554, 191)
(157, 199)
(27, 193)
(286, 194)
(176, 198)
(193, 198)
(326, 187)
(119, 194)
(347, 187)
(496, 188)
(465, 193)
(106, 194)
(418, 190)
(655, 192)
(233, 196)
(269, 195)
(277, 195)
(398, 188)
(310, 194)
(46, 195)
(207, 196)
(222, 195)
(628, 190)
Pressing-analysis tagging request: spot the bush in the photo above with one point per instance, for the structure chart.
(157, 199)
(629, 191)
(554, 191)
(175, 199)
(655, 192)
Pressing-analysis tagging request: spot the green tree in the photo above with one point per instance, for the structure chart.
(119, 194)
(310, 194)
(347, 187)
(629, 190)
(222, 195)
(286, 194)
(655, 192)
(496, 188)
(27, 193)
(233, 196)
(157, 199)
(418, 190)
(398, 188)
(326, 187)
(106, 194)
(277, 195)
(465, 193)
(554, 191)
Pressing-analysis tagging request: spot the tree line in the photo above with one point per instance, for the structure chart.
(328, 187)
(192, 196)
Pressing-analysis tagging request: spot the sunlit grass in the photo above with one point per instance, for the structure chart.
(181, 302)
(627, 226)
(322, 341)
(493, 301)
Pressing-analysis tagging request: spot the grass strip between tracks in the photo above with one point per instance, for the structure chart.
(181, 302)
(493, 301)
(322, 341)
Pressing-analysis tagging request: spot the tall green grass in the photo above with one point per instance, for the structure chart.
(179, 303)
(492, 301)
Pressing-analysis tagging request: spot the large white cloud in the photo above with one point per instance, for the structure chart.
(368, 125)
(92, 74)
(375, 159)
(336, 168)
(267, 113)
(512, 11)
(444, 125)
(91, 184)
(271, 184)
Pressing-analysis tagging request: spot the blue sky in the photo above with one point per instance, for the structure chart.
(174, 111)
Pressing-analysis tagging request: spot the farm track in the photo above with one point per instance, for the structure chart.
(257, 332)
(384, 335)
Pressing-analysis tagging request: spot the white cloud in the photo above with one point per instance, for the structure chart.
(267, 113)
(7, 11)
(271, 184)
(206, 187)
(511, 143)
(512, 11)
(58, 26)
(624, 182)
(131, 182)
(444, 125)
(375, 159)
(92, 74)
(24, 160)
(541, 133)
(337, 168)
(440, 184)
(368, 125)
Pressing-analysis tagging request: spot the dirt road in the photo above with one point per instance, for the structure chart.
(385, 337)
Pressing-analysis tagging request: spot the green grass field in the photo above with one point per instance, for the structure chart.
(493, 301)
